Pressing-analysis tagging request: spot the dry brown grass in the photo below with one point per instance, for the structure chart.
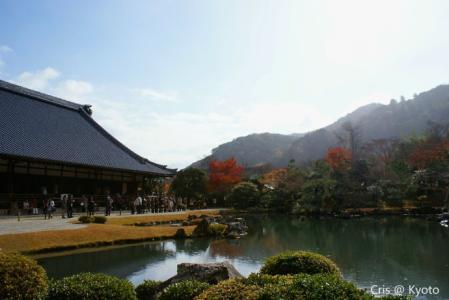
(136, 219)
(113, 232)
(92, 235)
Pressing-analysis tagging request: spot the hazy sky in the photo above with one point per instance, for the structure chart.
(173, 79)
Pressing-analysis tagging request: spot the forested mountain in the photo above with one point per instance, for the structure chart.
(374, 121)
(252, 150)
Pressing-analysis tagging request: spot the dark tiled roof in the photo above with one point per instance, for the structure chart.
(39, 126)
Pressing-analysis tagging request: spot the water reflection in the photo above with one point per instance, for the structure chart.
(369, 251)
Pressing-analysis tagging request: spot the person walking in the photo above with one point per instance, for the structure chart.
(45, 208)
(51, 208)
(91, 206)
(64, 206)
(136, 205)
(34, 206)
(83, 203)
(109, 202)
(70, 204)
(26, 207)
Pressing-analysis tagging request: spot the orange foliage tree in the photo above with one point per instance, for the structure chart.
(223, 175)
(274, 177)
(429, 152)
(338, 158)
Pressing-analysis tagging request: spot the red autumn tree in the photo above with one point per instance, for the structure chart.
(223, 175)
(429, 152)
(339, 158)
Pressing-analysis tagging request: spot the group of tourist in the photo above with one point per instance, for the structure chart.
(48, 207)
(30, 207)
(154, 204)
(67, 205)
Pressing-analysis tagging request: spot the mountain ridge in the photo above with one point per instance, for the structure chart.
(372, 121)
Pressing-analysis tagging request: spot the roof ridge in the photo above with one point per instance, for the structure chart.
(84, 110)
(11, 87)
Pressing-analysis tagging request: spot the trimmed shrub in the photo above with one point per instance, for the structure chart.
(305, 286)
(94, 219)
(88, 286)
(264, 279)
(244, 195)
(21, 278)
(100, 219)
(85, 219)
(231, 289)
(390, 297)
(216, 229)
(288, 287)
(148, 290)
(201, 228)
(183, 290)
(180, 234)
(297, 262)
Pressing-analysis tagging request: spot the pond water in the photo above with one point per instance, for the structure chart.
(385, 251)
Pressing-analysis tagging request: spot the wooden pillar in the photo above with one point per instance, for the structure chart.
(11, 176)
(11, 193)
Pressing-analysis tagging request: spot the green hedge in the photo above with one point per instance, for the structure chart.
(88, 286)
(231, 289)
(297, 262)
(216, 229)
(183, 290)
(85, 219)
(94, 219)
(244, 195)
(307, 287)
(148, 290)
(100, 219)
(21, 278)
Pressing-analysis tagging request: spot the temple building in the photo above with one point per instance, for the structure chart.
(50, 146)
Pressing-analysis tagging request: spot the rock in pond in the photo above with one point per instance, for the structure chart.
(236, 228)
(211, 273)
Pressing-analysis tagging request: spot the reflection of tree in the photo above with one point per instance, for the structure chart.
(192, 245)
(392, 248)
(225, 248)
(120, 261)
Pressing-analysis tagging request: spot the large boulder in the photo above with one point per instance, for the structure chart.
(211, 273)
(236, 228)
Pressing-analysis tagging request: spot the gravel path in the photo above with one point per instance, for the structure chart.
(11, 225)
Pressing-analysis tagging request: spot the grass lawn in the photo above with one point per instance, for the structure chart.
(135, 219)
(113, 232)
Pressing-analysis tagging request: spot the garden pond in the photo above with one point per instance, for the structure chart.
(381, 251)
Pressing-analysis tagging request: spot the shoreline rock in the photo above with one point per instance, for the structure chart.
(211, 273)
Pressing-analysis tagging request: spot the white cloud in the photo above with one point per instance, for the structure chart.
(38, 80)
(156, 95)
(49, 81)
(75, 90)
(3, 50)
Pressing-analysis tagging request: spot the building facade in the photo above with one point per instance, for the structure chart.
(50, 146)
